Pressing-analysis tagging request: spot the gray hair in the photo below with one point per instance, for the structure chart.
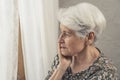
(83, 18)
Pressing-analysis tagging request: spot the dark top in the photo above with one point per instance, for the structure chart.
(101, 69)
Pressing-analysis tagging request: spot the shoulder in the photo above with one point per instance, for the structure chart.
(106, 64)
(53, 67)
(107, 68)
(55, 62)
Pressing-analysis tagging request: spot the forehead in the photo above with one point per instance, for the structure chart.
(65, 28)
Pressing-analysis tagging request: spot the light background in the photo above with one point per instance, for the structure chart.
(109, 43)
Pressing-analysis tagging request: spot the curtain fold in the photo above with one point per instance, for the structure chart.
(39, 31)
(39, 35)
(8, 39)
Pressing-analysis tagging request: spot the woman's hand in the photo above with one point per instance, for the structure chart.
(64, 60)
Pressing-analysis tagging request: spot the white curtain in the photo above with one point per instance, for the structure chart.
(39, 35)
(39, 31)
(8, 39)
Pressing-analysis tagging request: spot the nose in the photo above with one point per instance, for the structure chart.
(61, 39)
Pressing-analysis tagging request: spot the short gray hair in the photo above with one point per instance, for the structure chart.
(83, 18)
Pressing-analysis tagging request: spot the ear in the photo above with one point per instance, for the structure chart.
(90, 38)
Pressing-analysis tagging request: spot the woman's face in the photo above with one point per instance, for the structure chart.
(69, 43)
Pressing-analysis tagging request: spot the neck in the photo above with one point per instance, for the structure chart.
(86, 57)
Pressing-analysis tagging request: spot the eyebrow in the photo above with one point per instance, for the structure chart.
(69, 31)
(66, 31)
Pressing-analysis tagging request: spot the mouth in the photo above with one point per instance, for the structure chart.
(63, 47)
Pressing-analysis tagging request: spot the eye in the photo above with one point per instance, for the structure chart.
(67, 34)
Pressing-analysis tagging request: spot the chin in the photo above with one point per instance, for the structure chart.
(66, 54)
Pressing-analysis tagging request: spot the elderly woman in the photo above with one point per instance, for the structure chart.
(78, 58)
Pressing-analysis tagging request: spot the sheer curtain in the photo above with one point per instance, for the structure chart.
(39, 29)
(39, 35)
(8, 39)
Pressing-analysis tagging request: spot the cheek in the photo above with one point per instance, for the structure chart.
(71, 44)
(74, 45)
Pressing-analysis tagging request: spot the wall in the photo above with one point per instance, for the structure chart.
(109, 42)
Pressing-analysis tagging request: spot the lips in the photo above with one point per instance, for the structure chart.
(62, 46)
